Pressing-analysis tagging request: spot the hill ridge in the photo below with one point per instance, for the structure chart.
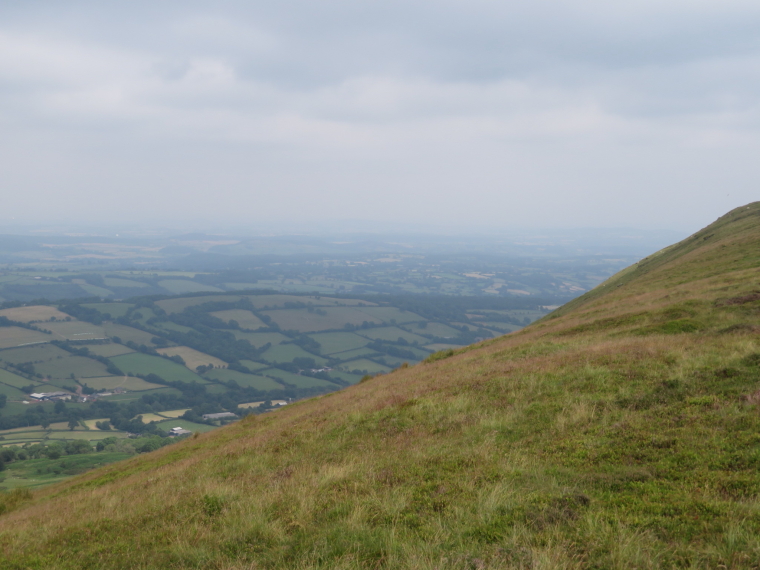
(618, 433)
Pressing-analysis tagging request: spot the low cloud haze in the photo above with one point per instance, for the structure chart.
(477, 114)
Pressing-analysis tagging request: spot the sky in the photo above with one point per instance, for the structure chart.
(414, 113)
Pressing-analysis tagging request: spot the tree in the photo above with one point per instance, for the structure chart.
(60, 407)
(45, 423)
(73, 423)
(3, 400)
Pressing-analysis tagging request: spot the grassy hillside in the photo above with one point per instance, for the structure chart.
(622, 432)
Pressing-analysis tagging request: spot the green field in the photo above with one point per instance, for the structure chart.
(338, 341)
(287, 352)
(435, 329)
(393, 334)
(253, 366)
(442, 346)
(116, 310)
(390, 314)
(34, 353)
(248, 380)
(246, 319)
(131, 383)
(180, 286)
(110, 349)
(139, 363)
(118, 282)
(184, 424)
(356, 353)
(40, 472)
(169, 326)
(12, 393)
(16, 336)
(365, 365)
(180, 304)
(15, 380)
(352, 378)
(259, 339)
(126, 333)
(79, 366)
(75, 330)
(300, 381)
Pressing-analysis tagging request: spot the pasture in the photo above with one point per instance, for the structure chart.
(75, 330)
(172, 413)
(7, 377)
(259, 339)
(300, 381)
(110, 349)
(147, 418)
(169, 326)
(364, 365)
(333, 318)
(34, 353)
(12, 393)
(287, 352)
(246, 319)
(247, 380)
(35, 473)
(166, 425)
(390, 314)
(16, 336)
(253, 366)
(182, 303)
(131, 383)
(435, 329)
(35, 313)
(118, 282)
(182, 286)
(79, 366)
(393, 334)
(116, 310)
(139, 363)
(338, 341)
(192, 357)
(126, 333)
(356, 353)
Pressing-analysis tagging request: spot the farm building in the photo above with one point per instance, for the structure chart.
(51, 396)
(178, 431)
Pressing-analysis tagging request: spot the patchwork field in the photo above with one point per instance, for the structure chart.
(172, 413)
(184, 424)
(181, 286)
(260, 339)
(365, 366)
(192, 357)
(33, 314)
(298, 380)
(7, 377)
(393, 334)
(180, 304)
(139, 363)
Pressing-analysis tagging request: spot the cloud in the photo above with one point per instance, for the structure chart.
(556, 112)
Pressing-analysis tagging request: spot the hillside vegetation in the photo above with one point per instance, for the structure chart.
(622, 431)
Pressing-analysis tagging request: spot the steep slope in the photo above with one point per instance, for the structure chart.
(621, 432)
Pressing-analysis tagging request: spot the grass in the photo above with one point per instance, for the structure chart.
(393, 334)
(260, 339)
(36, 473)
(131, 383)
(16, 336)
(600, 437)
(116, 310)
(287, 352)
(300, 381)
(366, 365)
(139, 363)
(126, 333)
(333, 318)
(246, 319)
(34, 353)
(11, 379)
(249, 380)
(193, 358)
(172, 413)
(435, 329)
(353, 354)
(79, 366)
(179, 305)
(32, 314)
(180, 286)
(339, 342)
(75, 330)
(110, 349)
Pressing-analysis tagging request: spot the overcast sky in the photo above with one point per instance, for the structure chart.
(548, 113)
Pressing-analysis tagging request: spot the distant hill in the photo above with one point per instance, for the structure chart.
(621, 431)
